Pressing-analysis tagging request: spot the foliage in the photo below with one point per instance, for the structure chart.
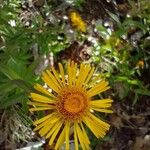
(115, 57)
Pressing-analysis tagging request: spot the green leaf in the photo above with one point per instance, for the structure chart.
(11, 74)
(11, 100)
(140, 92)
(33, 66)
(143, 91)
(126, 79)
(6, 87)
(23, 85)
(135, 99)
(131, 23)
(103, 31)
(114, 17)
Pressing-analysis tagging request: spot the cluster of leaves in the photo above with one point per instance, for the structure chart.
(17, 59)
(119, 56)
(15, 69)
(116, 50)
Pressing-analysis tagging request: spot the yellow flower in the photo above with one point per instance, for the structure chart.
(71, 104)
(77, 21)
(140, 64)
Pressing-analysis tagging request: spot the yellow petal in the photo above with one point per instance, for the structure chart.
(72, 69)
(62, 73)
(92, 126)
(75, 138)
(79, 78)
(55, 132)
(107, 100)
(55, 126)
(41, 108)
(103, 110)
(41, 89)
(67, 126)
(42, 124)
(83, 73)
(45, 129)
(98, 91)
(61, 139)
(41, 98)
(80, 136)
(37, 104)
(56, 76)
(53, 118)
(107, 105)
(103, 103)
(100, 87)
(74, 73)
(100, 122)
(42, 119)
(97, 126)
(54, 80)
(53, 121)
(89, 76)
(85, 135)
(69, 68)
(49, 82)
(86, 70)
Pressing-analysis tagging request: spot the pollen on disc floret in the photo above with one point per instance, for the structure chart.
(72, 103)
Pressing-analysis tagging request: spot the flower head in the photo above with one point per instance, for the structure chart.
(71, 104)
(77, 21)
(140, 64)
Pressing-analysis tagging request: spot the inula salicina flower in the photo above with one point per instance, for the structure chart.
(140, 64)
(70, 105)
(77, 21)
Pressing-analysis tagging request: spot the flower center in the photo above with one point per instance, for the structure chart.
(72, 103)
